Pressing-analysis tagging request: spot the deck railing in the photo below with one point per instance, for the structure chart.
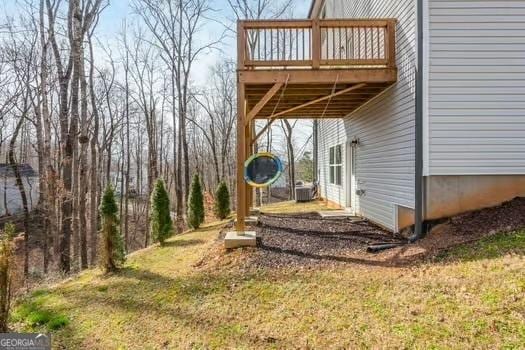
(316, 43)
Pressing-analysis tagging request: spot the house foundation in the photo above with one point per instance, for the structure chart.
(450, 195)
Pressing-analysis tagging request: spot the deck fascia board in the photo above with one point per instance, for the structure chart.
(318, 76)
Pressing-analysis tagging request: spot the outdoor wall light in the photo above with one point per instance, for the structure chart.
(355, 142)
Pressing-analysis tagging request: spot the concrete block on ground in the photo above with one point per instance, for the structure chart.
(236, 239)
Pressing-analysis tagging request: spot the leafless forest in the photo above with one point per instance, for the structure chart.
(86, 114)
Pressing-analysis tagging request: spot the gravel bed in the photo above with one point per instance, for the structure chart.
(308, 239)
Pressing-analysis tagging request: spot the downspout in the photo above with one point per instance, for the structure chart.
(419, 183)
(315, 151)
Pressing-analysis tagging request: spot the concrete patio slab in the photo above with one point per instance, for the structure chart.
(236, 239)
(338, 214)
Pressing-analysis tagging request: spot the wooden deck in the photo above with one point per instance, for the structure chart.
(306, 69)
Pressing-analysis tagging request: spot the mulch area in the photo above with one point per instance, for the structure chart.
(307, 240)
(471, 227)
(505, 217)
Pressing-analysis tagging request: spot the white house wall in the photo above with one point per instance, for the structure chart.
(331, 133)
(384, 166)
(477, 87)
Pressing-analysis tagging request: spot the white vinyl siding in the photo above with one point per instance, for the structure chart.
(331, 133)
(384, 158)
(476, 87)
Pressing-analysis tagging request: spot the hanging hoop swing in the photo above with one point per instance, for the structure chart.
(262, 169)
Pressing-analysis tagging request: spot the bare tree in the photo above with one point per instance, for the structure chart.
(258, 9)
(218, 123)
(175, 25)
(19, 54)
(288, 133)
(79, 20)
(93, 147)
(47, 177)
(145, 77)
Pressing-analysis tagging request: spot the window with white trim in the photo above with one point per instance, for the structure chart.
(336, 165)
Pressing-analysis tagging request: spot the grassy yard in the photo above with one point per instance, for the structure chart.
(470, 298)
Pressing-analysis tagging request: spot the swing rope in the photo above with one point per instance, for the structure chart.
(266, 128)
(316, 192)
(280, 97)
(330, 98)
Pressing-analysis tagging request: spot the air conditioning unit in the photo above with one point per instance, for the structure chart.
(303, 193)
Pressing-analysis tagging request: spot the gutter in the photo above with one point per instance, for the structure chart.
(315, 150)
(419, 180)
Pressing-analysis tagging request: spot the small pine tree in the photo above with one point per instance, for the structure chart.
(222, 201)
(161, 225)
(6, 274)
(195, 203)
(112, 253)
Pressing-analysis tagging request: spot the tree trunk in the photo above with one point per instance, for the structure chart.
(93, 185)
(291, 157)
(22, 191)
(70, 172)
(46, 170)
(83, 167)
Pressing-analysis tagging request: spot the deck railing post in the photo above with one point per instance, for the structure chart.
(315, 43)
(241, 45)
(390, 43)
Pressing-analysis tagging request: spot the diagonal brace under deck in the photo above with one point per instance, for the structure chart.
(267, 97)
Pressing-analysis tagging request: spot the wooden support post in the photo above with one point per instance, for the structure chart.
(254, 150)
(241, 157)
(249, 152)
(315, 44)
